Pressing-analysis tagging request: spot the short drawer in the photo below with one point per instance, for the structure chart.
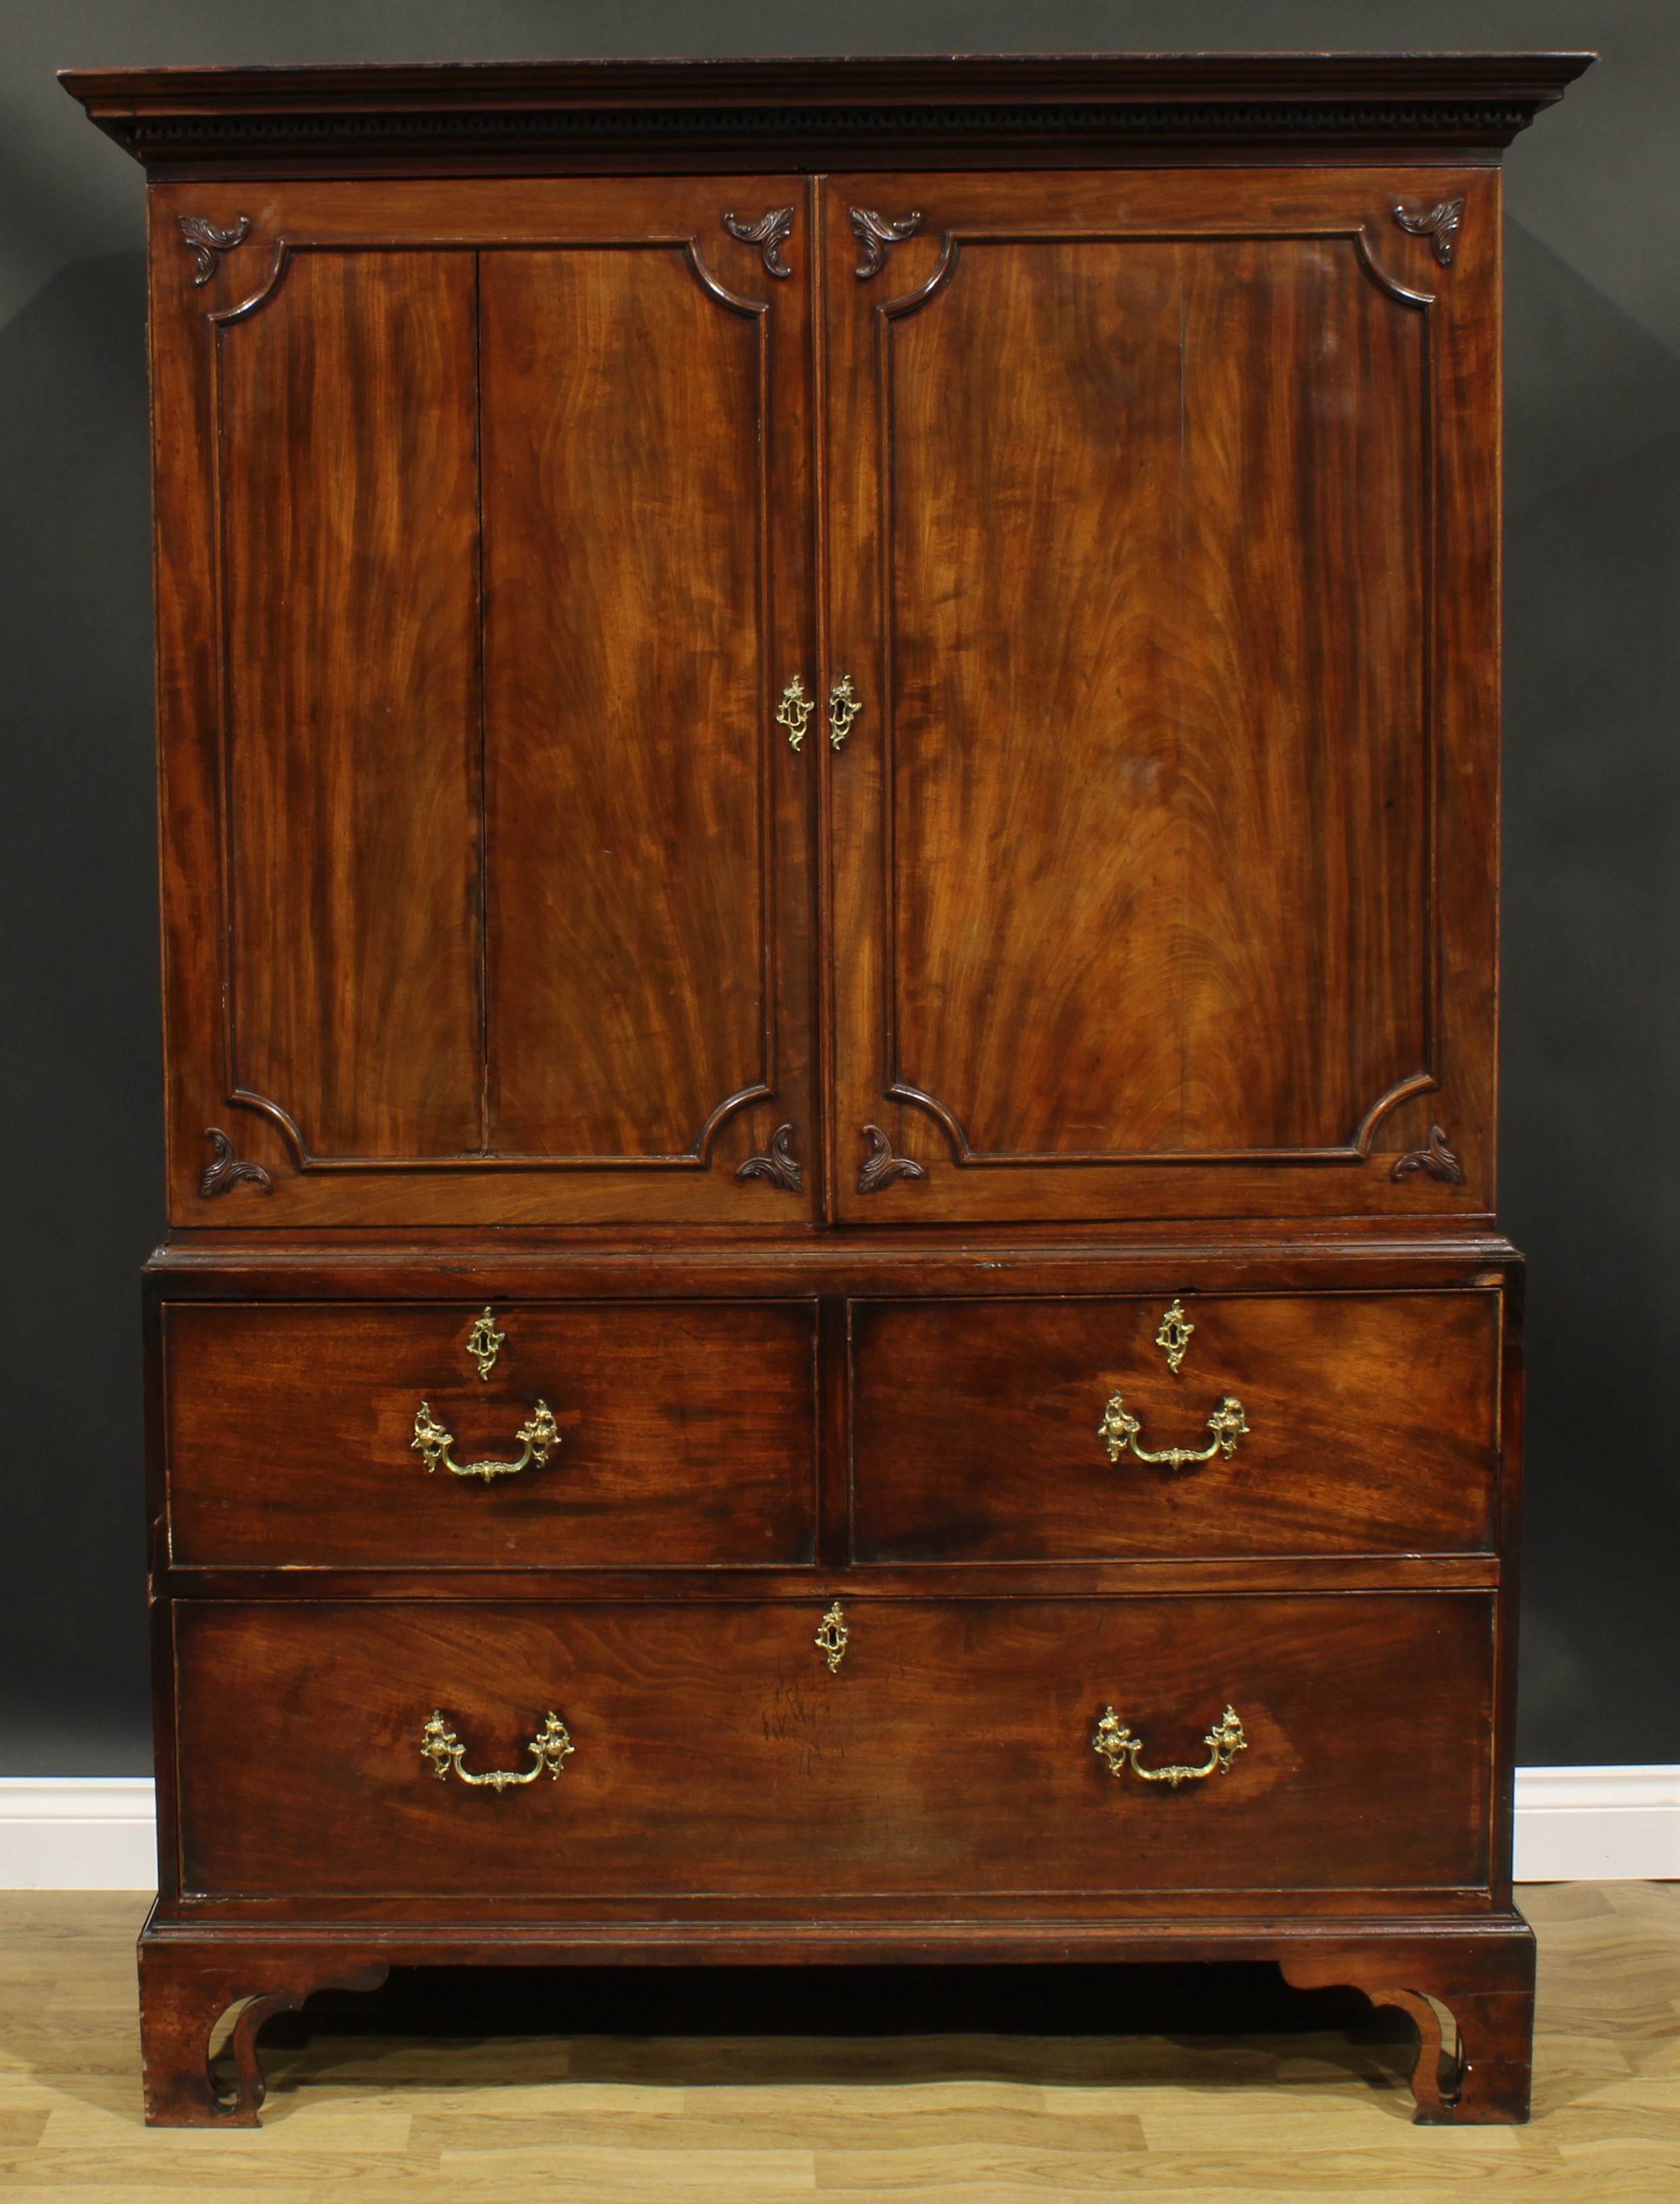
(984, 1430)
(681, 1434)
(708, 1751)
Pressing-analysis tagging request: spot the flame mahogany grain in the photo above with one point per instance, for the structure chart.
(1373, 1428)
(687, 1437)
(947, 1761)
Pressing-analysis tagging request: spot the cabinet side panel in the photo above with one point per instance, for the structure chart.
(624, 519)
(348, 511)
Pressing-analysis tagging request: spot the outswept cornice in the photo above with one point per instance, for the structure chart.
(809, 112)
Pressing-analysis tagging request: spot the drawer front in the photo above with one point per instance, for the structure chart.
(1372, 1427)
(715, 1753)
(684, 1434)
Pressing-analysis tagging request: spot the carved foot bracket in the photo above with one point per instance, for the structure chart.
(186, 1989)
(1485, 1985)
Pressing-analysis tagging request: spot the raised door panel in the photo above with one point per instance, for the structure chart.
(1138, 491)
(625, 525)
(486, 560)
(348, 499)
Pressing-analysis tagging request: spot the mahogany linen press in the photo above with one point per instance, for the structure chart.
(829, 767)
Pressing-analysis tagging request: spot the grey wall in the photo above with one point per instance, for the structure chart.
(1592, 1050)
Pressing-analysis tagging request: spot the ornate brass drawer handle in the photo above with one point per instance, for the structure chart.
(1115, 1744)
(550, 1749)
(1118, 1431)
(536, 1436)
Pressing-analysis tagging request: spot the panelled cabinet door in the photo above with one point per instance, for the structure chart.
(483, 571)
(1163, 543)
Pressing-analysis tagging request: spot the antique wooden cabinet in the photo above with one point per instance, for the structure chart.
(829, 742)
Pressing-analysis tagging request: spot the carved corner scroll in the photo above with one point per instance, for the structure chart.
(205, 241)
(769, 234)
(881, 1166)
(224, 1170)
(1438, 1159)
(875, 233)
(1439, 223)
(778, 1163)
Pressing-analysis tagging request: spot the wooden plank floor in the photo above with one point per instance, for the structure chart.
(957, 2119)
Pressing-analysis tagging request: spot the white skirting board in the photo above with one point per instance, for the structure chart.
(77, 1832)
(1598, 1824)
(1573, 1825)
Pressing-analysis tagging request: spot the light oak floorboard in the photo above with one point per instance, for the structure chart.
(969, 2119)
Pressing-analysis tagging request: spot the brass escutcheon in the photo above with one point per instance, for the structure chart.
(843, 710)
(794, 712)
(1174, 1337)
(484, 1342)
(833, 1637)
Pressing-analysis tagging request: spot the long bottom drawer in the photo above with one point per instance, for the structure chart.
(954, 1748)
